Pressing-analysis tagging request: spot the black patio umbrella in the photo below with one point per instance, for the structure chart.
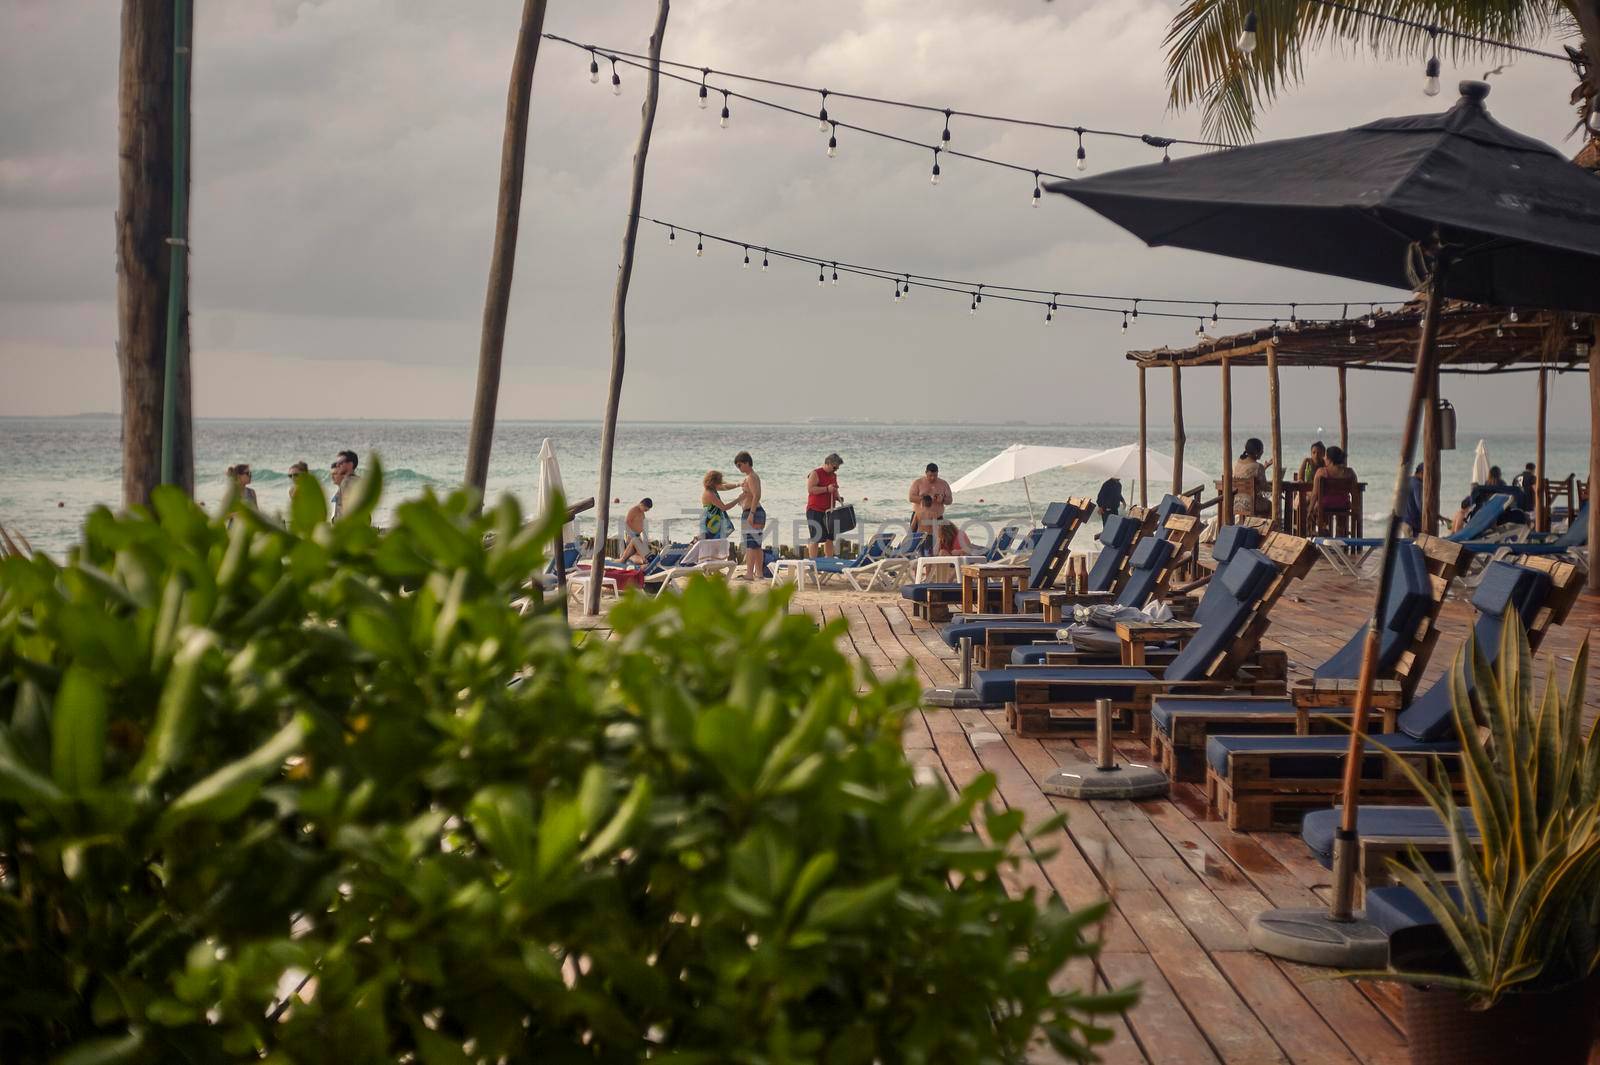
(1453, 204)
(1519, 222)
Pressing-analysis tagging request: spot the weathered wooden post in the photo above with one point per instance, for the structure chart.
(1541, 507)
(1277, 435)
(1344, 415)
(1594, 456)
(1144, 463)
(503, 257)
(619, 307)
(1225, 506)
(1177, 430)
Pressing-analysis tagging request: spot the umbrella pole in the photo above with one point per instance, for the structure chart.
(1335, 936)
(1033, 520)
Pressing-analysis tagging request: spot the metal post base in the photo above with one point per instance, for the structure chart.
(953, 698)
(1118, 782)
(1311, 937)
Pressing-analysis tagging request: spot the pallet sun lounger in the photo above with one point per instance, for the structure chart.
(932, 599)
(1264, 782)
(1181, 725)
(1218, 654)
(1350, 554)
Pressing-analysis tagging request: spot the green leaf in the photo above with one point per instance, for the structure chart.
(848, 907)
(34, 791)
(78, 731)
(177, 714)
(107, 1050)
(309, 508)
(226, 792)
(634, 808)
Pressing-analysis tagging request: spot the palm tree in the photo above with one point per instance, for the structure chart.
(1207, 67)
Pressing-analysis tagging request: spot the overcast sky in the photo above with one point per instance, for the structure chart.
(346, 156)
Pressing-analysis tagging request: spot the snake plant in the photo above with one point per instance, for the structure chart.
(1524, 914)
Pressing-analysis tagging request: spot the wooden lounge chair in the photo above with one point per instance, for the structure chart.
(1263, 782)
(1180, 725)
(829, 566)
(1350, 555)
(1388, 833)
(1218, 653)
(932, 599)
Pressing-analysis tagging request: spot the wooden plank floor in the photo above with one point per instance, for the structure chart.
(1182, 888)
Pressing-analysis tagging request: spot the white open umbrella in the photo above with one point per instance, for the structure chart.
(1123, 463)
(1019, 462)
(1480, 464)
(549, 484)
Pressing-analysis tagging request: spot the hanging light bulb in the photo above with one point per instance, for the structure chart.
(833, 142)
(1165, 157)
(835, 273)
(703, 94)
(723, 122)
(1037, 192)
(1200, 327)
(747, 258)
(944, 138)
(1294, 322)
(672, 235)
(897, 290)
(1213, 311)
(1136, 310)
(974, 308)
(822, 115)
(979, 297)
(1274, 329)
(1124, 321)
(908, 284)
(1499, 330)
(1083, 157)
(820, 278)
(1513, 315)
(1352, 334)
(763, 259)
(1574, 323)
(594, 69)
(1430, 86)
(699, 245)
(1247, 36)
(933, 178)
(616, 80)
(1050, 311)
(1372, 316)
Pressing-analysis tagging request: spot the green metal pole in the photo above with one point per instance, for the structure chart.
(179, 241)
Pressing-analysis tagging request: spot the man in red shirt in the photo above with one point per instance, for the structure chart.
(822, 495)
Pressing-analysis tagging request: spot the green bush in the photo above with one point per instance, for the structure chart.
(320, 793)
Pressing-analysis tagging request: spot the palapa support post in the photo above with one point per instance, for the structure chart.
(1593, 581)
(1144, 448)
(1541, 505)
(1104, 778)
(1277, 435)
(1177, 430)
(1344, 415)
(962, 698)
(1335, 936)
(1225, 506)
(1431, 452)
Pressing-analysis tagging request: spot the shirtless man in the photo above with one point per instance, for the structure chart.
(753, 522)
(634, 544)
(930, 515)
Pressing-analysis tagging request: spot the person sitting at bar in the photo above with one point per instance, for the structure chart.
(1312, 462)
(1332, 490)
(1249, 482)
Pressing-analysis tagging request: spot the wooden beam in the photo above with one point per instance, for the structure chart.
(1344, 415)
(1594, 457)
(1541, 510)
(1177, 429)
(1225, 508)
(1430, 451)
(1277, 434)
(1144, 447)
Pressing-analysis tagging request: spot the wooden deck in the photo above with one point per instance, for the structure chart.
(1182, 887)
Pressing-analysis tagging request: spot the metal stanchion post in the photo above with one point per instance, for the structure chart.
(1104, 778)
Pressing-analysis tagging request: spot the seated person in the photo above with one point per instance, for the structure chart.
(952, 541)
(633, 541)
(1332, 490)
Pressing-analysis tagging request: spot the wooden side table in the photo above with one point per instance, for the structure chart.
(1137, 635)
(1313, 695)
(975, 586)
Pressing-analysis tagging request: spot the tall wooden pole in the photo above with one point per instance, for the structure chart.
(177, 243)
(1144, 463)
(1344, 416)
(1277, 434)
(1541, 511)
(1225, 508)
(619, 308)
(503, 257)
(146, 96)
(1431, 450)
(1593, 582)
(1177, 430)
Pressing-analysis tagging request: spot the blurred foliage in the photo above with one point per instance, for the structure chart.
(321, 793)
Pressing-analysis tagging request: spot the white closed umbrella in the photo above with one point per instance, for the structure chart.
(549, 484)
(1123, 463)
(1017, 463)
(1480, 464)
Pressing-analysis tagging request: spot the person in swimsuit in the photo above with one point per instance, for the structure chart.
(633, 541)
(822, 494)
(715, 524)
(753, 519)
(926, 518)
(1331, 490)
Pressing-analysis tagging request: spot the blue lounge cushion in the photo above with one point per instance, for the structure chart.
(1118, 532)
(1033, 654)
(1057, 515)
(976, 627)
(1229, 599)
(1247, 574)
(995, 687)
(1507, 585)
(1231, 539)
(1170, 505)
(1406, 822)
(930, 591)
(1150, 552)
(1115, 539)
(1409, 600)
(1165, 707)
(1315, 756)
(1026, 599)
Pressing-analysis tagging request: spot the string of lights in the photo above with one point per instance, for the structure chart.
(1430, 84)
(1052, 300)
(831, 124)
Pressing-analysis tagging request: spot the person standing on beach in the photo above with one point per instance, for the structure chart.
(753, 520)
(926, 517)
(822, 495)
(634, 544)
(294, 478)
(1109, 501)
(345, 477)
(714, 521)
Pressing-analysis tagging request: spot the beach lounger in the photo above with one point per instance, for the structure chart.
(702, 556)
(1385, 833)
(932, 599)
(1216, 654)
(669, 555)
(1573, 543)
(829, 566)
(1352, 555)
(1002, 544)
(1264, 782)
(887, 567)
(1181, 725)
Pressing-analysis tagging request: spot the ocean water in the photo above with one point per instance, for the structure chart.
(54, 470)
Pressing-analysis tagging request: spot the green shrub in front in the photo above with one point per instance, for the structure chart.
(322, 793)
